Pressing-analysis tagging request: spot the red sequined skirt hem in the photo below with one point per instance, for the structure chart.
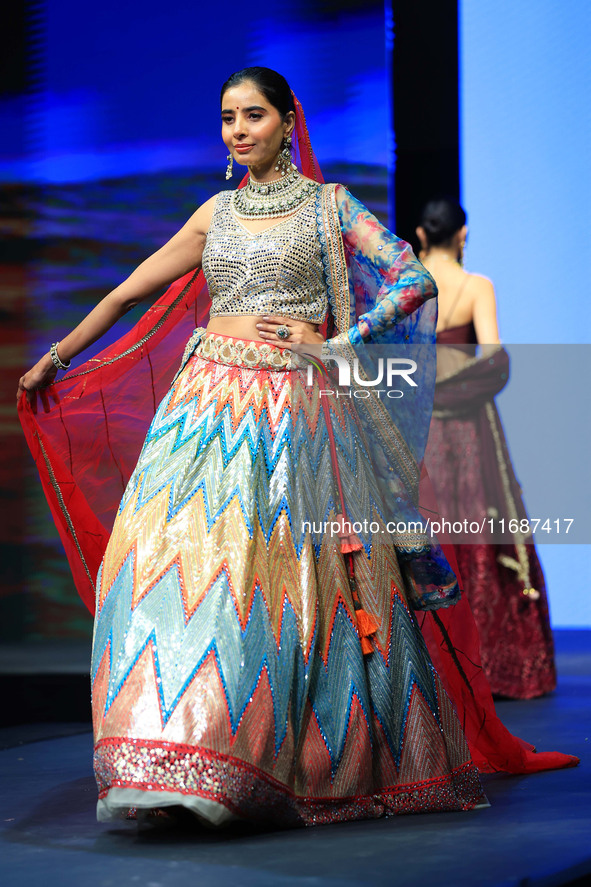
(249, 793)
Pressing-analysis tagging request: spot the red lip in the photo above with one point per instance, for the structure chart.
(241, 148)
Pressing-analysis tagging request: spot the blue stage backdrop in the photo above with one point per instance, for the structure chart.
(123, 143)
(133, 88)
(525, 148)
(122, 137)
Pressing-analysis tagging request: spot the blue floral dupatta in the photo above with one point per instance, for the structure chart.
(384, 311)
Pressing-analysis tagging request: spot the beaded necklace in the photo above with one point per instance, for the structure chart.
(268, 200)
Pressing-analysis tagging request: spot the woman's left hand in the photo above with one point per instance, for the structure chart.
(36, 381)
(300, 332)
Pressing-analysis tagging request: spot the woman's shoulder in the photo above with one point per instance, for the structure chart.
(340, 195)
(339, 189)
(479, 292)
(480, 285)
(328, 186)
(219, 202)
(201, 219)
(324, 188)
(221, 197)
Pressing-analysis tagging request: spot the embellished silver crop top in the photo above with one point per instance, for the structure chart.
(275, 271)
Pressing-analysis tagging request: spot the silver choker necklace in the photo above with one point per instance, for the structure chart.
(268, 200)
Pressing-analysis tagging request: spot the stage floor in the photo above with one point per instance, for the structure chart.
(535, 834)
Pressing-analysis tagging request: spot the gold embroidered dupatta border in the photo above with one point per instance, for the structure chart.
(396, 451)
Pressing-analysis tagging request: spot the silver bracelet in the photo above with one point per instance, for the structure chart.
(57, 361)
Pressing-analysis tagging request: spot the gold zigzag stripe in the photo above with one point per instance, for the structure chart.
(201, 556)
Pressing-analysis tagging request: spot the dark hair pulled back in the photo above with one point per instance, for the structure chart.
(441, 219)
(272, 85)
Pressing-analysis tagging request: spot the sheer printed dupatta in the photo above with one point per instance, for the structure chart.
(88, 436)
(384, 308)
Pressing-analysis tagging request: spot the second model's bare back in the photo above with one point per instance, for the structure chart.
(464, 298)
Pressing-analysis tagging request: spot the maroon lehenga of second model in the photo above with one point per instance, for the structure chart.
(473, 478)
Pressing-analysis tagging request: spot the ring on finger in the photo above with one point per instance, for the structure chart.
(283, 332)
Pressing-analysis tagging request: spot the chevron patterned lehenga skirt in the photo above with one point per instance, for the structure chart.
(228, 675)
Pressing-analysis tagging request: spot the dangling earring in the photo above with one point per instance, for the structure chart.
(229, 167)
(284, 162)
(461, 253)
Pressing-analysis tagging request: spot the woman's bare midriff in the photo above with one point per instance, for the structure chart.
(242, 326)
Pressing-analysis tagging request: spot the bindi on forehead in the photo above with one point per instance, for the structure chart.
(245, 109)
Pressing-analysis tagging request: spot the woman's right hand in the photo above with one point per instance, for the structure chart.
(38, 377)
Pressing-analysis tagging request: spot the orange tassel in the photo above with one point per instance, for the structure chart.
(349, 541)
(365, 623)
(366, 646)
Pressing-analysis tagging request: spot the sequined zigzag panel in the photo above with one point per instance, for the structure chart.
(227, 663)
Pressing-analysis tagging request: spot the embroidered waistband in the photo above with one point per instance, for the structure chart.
(246, 352)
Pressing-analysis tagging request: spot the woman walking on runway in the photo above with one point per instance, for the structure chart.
(469, 465)
(246, 665)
